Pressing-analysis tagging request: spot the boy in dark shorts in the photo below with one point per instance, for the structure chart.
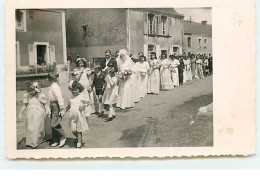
(99, 84)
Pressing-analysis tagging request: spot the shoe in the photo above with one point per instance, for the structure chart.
(109, 119)
(54, 144)
(62, 142)
(78, 145)
(100, 114)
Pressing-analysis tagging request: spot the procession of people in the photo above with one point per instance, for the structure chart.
(119, 82)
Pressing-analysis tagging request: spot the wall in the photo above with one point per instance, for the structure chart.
(195, 44)
(175, 31)
(106, 29)
(45, 26)
(136, 32)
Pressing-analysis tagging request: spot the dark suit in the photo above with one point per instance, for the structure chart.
(112, 63)
(99, 81)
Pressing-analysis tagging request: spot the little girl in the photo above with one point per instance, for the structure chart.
(78, 116)
(35, 109)
(111, 92)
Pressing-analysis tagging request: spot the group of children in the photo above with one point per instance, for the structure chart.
(123, 83)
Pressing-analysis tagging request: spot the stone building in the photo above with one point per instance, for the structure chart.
(92, 31)
(197, 37)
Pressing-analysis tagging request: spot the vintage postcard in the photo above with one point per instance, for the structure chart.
(130, 79)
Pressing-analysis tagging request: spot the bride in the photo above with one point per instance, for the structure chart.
(125, 93)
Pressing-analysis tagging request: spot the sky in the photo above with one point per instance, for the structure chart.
(198, 14)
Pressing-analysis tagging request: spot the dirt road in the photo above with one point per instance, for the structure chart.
(165, 120)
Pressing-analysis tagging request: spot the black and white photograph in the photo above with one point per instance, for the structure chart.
(114, 78)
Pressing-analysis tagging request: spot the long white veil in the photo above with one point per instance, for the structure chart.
(127, 61)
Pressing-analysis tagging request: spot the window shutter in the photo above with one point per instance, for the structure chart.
(167, 25)
(146, 24)
(52, 53)
(154, 24)
(146, 50)
(159, 32)
(32, 60)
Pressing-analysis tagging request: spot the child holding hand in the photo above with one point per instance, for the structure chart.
(78, 116)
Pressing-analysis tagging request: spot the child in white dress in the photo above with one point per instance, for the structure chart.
(111, 92)
(36, 110)
(78, 115)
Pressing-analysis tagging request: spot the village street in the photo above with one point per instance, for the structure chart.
(165, 120)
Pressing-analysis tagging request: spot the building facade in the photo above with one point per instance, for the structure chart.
(197, 38)
(92, 31)
(40, 38)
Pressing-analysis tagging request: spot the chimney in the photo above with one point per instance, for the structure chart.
(204, 22)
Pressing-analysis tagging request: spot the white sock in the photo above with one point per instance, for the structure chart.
(100, 107)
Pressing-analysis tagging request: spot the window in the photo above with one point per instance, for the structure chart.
(156, 24)
(164, 24)
(20, 19)
(151, 48)
(164, 52)
(205, 43)
(41, 54)
(152, 22)
(189, 41)
(200, 45)
(175, 50)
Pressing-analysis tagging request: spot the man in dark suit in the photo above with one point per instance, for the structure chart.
(108, 62)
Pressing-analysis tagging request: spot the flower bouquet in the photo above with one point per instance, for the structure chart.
(155, 65)
(122, 75)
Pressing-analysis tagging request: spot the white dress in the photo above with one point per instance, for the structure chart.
(35, 115)
(143, 68)
(174, 72)
(125, 91)
(154, 77)
(188, 69)
(199, 68)
(185, 77)
(166, 81)
(111, 91)
(136, 83)
(78, 119)
(85, 82)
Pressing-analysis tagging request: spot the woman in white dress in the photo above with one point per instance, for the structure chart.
(188, 69)
(143, 67)
(174, 71)
(185, 76)
(136, 82)
(165, 74)
(154, 77)
(199, 68)
(83, 77)
(125, 92)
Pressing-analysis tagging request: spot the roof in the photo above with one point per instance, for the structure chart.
(163, 11)
(197, 28)
(168, 10)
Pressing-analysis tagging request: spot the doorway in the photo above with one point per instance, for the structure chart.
(41, 53)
